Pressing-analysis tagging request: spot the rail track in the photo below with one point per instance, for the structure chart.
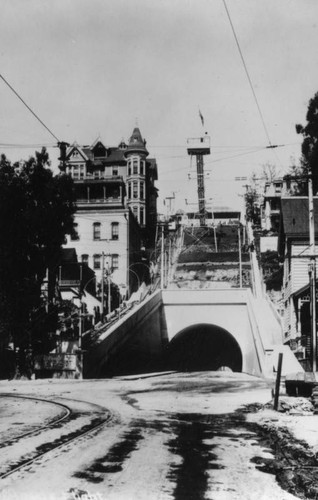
(90, 420)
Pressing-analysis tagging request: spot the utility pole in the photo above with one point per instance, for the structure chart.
(109, 292)
(162, 258)
(240, 256)
(103, 271)
(312, 273)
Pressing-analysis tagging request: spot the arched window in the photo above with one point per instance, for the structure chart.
(115, 230)
(96, 231)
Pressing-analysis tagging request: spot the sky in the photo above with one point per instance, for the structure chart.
(91, 68)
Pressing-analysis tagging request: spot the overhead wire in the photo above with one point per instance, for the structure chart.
(28, 107)
(26, 146)
(247, 74)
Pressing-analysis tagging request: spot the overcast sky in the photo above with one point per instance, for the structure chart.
(98, 67)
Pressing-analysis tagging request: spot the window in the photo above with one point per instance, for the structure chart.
(278, 187)
(135, 167)
(74, 235)
(115, 262)
(135, 212)
(115, 171)
(129, 167)
(85, 259)
(142, 216)
(97, 261)
(135, 189)
(96, 231)
(129, 190)
(75, 172)
(82, 171)
(115, 230)
(142, 190)
(142, 163)
(96, 174)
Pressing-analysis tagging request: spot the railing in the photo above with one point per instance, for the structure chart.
(256, 334)
(67, 282)
(109, 201)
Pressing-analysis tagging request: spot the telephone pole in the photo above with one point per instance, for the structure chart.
(312, 273)
(103, 271)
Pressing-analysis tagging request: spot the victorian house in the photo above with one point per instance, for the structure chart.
(116, 202)
(294, 249)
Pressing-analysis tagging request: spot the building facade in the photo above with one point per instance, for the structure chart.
(116, 202)
(295, 250)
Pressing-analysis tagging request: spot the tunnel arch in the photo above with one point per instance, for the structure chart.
(203, 347)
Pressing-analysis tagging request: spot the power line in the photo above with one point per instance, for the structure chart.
(247, 74)
(28, 107)
(25, 146)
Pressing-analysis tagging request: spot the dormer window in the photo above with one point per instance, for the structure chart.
(99, 150)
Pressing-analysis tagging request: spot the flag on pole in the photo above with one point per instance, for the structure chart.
(201, 118)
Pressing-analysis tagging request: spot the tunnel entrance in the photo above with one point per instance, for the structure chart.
(203, 347)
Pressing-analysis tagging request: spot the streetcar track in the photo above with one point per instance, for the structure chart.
(52, 423)
(64, 440)
(31, 461)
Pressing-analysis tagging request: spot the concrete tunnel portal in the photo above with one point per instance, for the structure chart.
(203, 347)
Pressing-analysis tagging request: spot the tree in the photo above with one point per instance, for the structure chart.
(269, 172)
(309, 146)
(36, 213)
(252, 206)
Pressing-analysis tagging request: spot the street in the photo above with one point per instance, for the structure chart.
(166, 436)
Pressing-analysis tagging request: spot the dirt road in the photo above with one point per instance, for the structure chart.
(172, 436)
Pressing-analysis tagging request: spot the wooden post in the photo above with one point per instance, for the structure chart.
(279, 372)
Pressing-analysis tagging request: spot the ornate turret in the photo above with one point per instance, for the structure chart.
(136, 144)
(136, 154)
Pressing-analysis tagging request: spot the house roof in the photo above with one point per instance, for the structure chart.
(115, 155)
(295, 215)
(68, 255)
(78, 148)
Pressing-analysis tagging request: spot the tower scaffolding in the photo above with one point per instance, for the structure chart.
(199, 147)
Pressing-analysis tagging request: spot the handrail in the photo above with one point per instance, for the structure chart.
(254, 328)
